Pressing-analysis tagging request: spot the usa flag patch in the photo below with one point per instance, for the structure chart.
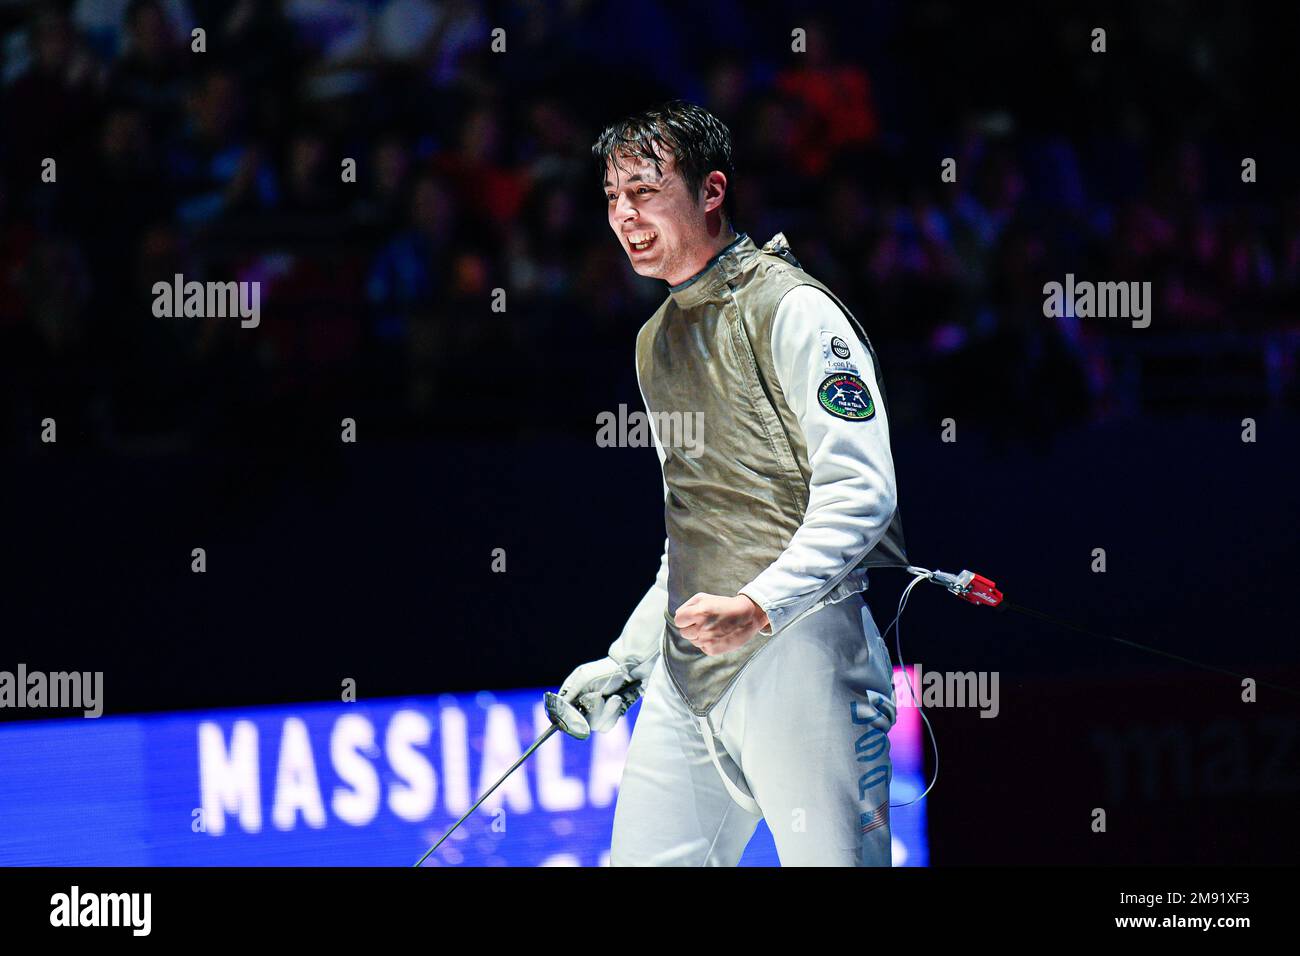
(876, 819)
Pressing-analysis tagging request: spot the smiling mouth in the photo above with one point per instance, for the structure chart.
(641, 241)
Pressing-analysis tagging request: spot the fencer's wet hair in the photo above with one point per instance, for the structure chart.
(699, 141)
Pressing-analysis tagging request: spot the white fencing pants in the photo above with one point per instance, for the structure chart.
(799, 739)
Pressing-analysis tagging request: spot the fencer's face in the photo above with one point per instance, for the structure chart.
(658, 220)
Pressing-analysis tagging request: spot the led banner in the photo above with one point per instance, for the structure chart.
(367, 784)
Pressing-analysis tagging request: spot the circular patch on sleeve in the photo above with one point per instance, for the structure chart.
(846, 396)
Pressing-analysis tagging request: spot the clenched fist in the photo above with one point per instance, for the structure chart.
(717, 624)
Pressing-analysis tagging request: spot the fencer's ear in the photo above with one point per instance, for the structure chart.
(714, 190)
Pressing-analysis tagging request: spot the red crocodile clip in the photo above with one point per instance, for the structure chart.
(980, 590)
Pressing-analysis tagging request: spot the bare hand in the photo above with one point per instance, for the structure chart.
(717, 624)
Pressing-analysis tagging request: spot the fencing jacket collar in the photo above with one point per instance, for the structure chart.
(723, 266)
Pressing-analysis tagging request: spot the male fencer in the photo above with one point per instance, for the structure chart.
(768, 690)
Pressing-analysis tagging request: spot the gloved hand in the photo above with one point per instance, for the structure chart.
(603, 690)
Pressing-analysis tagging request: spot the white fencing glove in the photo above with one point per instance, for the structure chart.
(603, 690)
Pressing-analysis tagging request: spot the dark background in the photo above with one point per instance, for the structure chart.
(476, 428)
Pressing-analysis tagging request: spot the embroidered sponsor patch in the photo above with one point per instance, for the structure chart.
(836, 354)
(846, 396)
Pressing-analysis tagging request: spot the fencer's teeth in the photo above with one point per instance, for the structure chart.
(643, 240)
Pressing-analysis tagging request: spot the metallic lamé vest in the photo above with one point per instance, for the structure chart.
(736, 500)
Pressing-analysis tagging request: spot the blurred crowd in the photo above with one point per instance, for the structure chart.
(473, 173)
